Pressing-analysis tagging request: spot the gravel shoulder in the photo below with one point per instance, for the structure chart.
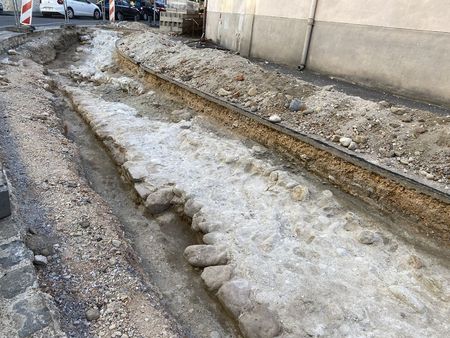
(91, 273)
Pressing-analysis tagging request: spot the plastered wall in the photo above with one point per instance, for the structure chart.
(399, 45)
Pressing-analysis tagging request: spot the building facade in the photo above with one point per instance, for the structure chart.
(399, 45)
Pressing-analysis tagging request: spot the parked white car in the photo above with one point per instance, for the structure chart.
(74, 8)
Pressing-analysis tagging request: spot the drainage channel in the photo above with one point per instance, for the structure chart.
(160, 241)
(307, 260)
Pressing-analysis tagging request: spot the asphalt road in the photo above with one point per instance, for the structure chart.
(39, 21)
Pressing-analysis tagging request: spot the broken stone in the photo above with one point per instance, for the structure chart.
(252, 91)
(397, 110)
(191, 207)
(367, 237)
(345, 141)
(335, 138)
(406, 118)
(352, 146)
(144, 189)
(235, 296)
(415, 262)
(300, 193)
(116, 243)
(260, 322)
(159, 201)
(239, 77)
(137, 172)
(92, 314)
(360, 139)
(296, 105)
(275, 118)
(206, 255)
(40, 260)
(215, 276)
(384, 104)
(40, 245)
(223, 92)
(12, 52)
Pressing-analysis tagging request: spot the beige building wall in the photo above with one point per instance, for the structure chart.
(399, 45)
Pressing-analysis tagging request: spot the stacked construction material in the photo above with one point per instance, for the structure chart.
(181, 16)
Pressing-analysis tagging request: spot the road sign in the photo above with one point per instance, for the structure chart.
(26, 12)
(112, 11)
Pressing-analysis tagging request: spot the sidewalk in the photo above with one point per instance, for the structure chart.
(24, 310)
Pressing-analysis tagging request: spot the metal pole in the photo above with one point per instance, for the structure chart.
(16, 13)
(205, 9)
(154, 12)
(103, 11)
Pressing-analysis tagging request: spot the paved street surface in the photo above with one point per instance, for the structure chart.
(39, 20)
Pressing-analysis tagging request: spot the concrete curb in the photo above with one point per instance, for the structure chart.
(5, 204)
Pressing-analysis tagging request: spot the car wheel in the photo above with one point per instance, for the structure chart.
(97, 14)
(119, 16)
(46, 15)
(70, 13)
(145, 17)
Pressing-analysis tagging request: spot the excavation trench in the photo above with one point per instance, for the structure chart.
(158, 241)
(302, 253)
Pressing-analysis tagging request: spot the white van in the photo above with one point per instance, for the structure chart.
(74, 8)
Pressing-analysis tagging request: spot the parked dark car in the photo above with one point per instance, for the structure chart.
(1, 7)
(147, 9)
(124, 10)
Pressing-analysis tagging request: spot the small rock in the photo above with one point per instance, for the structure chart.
(92, 314)
(420, 130)
(430, 176)
(223, 92)
(12, 52)
(415, 262)
(260, 322)
(328, 88)
(235, 296)
(335, 138)
(300, 193)
(215, 276)
(159, 201)
(239, 77)
(345, 141)
(308, 111)
(352, 146)
(206, 255)
(254, 109)
(384, 104)
(116, 243)
(397, 111)
(275, 118)
(85, 223)
(40, 260)
(406, 118)
(144, 189)
(367, 237)
(360, 139)
(191, 208)
(296, 105)
(404, 161)
(252, 91)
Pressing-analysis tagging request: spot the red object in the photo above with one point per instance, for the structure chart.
(26, 12)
